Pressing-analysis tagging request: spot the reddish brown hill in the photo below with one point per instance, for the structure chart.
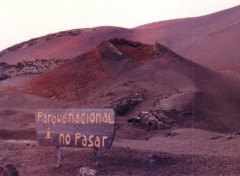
(211, 40)
(109, 61)
(117, 68)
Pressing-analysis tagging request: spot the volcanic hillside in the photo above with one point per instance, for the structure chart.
(61, 45)
(212, 40)
(118, 68)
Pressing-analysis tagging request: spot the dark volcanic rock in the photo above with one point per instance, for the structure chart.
(109, 52)
(155, 160)
(121, 41)
(8, 170)
(122, 106)
(3, 76)
(28, 67)
(152, 120)
(3, 65)
(119, 49)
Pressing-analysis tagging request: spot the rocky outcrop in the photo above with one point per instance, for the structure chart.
(63, 33)
(155, 160)
(28, 67)
(3, 76)
(152, 120)
(123, 105)
(118, 49)
(18, 46)
(3, 65)
(8, 170)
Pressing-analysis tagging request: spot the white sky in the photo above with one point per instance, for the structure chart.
(25, 19)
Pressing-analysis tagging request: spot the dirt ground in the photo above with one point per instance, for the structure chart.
(188, 152)
(207, 154)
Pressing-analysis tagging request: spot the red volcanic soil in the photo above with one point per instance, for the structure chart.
(119, 68)
(99, 68)
(211, 40)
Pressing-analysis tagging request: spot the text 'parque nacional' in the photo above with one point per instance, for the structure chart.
(83, 128)
(75, 118)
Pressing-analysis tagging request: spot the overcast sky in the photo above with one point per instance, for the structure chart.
(25, 19)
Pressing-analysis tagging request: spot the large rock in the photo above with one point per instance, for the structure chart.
(3, 76)
(28, 67)
(8, 170)
(124, 105)
(3, 65)
(155, 160)
(152, 120)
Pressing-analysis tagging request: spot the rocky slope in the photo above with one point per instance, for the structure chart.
(28, 67)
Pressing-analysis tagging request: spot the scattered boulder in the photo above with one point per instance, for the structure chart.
(73, 32)
(28, 67)
(186, 113)
(8, 170)
(63, 33)
(155, 160)
(124, 105)
(172, 133)
(3, 65)
(3, 76)
(152, 120)
(109, 52)
(148, 137)
(235, 135)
